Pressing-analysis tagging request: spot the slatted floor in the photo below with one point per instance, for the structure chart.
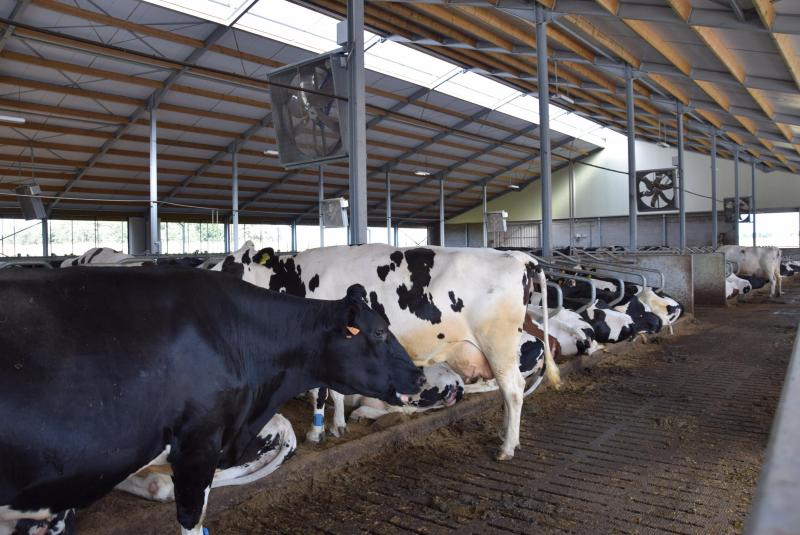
(668, 439)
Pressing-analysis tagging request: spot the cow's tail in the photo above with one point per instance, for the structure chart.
(550, 366)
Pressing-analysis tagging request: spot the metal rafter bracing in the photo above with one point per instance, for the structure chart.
(388, 166)
(233, 147)
(526, 160)
(16, 13)
(419, 93)
(152, 102)
(444, 172)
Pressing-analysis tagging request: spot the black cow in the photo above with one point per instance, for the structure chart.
(103, 370)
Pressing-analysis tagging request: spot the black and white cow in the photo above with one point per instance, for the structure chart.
(442, 388)
(644, 321)
(98, 255)
(465, 307)
(277, 444)
(789, 267)
(735, 285)
(102, 370)
(609, 325)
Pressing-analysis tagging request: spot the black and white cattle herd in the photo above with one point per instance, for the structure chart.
(164, 379)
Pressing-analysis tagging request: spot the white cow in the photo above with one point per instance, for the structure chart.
(463, 306)
(96, 255)
(736, 285)
(757, 261)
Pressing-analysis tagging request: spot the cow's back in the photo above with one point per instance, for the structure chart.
(432, 296)
(757, 261)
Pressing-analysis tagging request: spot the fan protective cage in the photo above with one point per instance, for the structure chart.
(309, 110)
(656, 190)
(729, 212)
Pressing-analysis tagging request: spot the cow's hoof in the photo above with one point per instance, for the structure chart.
(315, 436)
(504, 456)
(338, 430)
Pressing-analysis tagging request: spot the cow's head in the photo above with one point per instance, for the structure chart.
(246, 264)
(443, 387)
(363, 356)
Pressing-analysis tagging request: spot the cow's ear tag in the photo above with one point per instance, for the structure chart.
(264, 259)
(353, 330)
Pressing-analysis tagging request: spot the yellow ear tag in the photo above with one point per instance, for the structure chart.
(353, 330)
(264, 259)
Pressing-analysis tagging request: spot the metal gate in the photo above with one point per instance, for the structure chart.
(523, 235)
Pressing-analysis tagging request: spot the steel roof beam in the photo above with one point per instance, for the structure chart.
(233, 147)
(16, 13)
(449, 169)
(419, 93)
(528, 159)
(388, 166)
(711, 18)
(152, 102)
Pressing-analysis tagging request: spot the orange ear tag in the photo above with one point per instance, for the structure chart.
(353, 330)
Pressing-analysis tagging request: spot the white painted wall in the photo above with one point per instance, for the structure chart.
(600, 193)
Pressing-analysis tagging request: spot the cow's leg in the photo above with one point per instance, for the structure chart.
(317, 431)
(512, 387)
(194, 459)
(501, 349)
(339, 425)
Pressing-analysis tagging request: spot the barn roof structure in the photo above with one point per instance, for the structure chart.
(83, 75)
(734, 64)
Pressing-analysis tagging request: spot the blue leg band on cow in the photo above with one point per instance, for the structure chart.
(319, 419)
(205, 531)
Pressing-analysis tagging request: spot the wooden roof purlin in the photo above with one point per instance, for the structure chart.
(680, 50)
(85, 77)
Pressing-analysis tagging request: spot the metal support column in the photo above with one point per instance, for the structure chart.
(294, 235)
(681, 184)
(714, 229)
(485, 230)
(544, 128)
(441, 212)
(632, 208)
(321, 198)
(155, 242)
(357, 122)
(45, 237)
(226, 235)
(736, 214)
(235, 198)
(753, 198)
(397, 235)
(571, 205)
(389, 209)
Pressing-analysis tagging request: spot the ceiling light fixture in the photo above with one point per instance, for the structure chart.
(563, 98)
(663, 144)
(513, 186)
(420, 172)
(270, 152)
(558, 95)
(12, 119)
